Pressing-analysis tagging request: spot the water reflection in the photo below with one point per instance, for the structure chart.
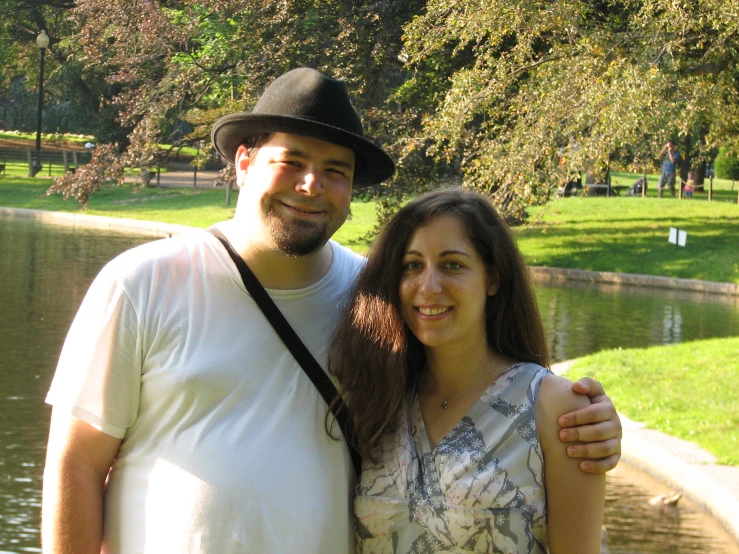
(636, 527)
(583, 318)
(45, 271)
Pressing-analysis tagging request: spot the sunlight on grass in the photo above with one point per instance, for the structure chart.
(688, 390)
(630, 235)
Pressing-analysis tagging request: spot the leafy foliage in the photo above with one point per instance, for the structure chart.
(727, 165)
(540, 91)
(510, 97)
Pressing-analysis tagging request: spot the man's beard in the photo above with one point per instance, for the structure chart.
(296, 238)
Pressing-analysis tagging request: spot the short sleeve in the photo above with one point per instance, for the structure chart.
(98, 376)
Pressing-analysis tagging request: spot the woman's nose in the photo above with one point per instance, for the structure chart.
(430, 283)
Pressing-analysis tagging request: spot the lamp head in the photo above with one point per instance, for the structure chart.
(42, 40)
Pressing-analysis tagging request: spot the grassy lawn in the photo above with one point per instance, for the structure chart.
(185, 206)
(46, 137)
(688, 390)
(629, 235)
(605, 234)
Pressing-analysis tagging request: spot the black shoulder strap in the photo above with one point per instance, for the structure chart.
(302, 355)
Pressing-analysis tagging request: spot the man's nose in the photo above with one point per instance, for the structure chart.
(311, 182)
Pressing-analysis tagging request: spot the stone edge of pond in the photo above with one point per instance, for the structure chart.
(682, 465)
(84, 221)
(557, 275)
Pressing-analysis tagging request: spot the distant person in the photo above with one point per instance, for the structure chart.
(670, 161)
(690, 185)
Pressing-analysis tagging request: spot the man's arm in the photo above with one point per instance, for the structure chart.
(597, 426)
(78, 459)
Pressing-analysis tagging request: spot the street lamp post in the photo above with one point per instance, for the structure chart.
(42, 41)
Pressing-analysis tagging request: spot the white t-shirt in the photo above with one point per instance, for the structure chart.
(224, 447)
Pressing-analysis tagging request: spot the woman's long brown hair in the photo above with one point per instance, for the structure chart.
(372, 353)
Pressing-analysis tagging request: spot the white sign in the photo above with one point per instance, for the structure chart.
(677, 236)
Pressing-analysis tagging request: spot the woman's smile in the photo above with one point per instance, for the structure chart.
(444, 286)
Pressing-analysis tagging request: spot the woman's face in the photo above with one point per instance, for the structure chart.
(444, 286)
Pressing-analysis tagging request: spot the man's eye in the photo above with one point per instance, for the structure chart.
(337, 171)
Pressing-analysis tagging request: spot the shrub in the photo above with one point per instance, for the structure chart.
(727, 166)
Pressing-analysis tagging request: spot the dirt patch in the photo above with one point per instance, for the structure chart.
(25, 144)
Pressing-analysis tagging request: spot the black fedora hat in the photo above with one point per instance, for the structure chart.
(306, 102)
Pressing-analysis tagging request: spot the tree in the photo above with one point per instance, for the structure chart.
(727, 166)
(539, 91)
(509, 97)
(190, 62)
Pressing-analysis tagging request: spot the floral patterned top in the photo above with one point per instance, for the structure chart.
(480, 490)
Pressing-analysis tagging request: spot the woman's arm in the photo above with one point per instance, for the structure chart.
(574, 498)
(596, 426)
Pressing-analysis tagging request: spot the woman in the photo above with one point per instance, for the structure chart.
(441, 356)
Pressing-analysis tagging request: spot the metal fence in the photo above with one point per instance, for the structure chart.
(31, 162)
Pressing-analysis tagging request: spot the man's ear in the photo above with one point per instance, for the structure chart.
(241, 163)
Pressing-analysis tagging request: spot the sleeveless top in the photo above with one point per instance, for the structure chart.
(480, 490)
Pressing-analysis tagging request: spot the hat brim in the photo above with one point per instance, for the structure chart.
(374, 165)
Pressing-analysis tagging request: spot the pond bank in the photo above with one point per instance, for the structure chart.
(679, 463)
(682, 465)
(557, 275)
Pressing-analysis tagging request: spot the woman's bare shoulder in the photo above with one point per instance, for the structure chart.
(555, 398)
(555, 392)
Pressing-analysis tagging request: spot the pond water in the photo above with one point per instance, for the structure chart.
(45, 272)
(583, 318)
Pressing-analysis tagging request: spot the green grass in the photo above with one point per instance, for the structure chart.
(185, 206)
(605, 234)
(629, 235)
(688, 390)
(20, 169)
(46, 137)
(182, 151)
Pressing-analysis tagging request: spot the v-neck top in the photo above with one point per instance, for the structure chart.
(481, 489)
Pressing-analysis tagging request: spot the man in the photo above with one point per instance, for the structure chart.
(180, 422)
(670, 161)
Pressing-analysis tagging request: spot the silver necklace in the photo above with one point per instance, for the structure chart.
(445, 403)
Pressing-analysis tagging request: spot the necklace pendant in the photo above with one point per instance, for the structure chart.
(444, 404)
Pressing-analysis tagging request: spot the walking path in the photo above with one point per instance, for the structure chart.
(683, 465)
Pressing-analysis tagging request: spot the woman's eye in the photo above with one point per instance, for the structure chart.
(454, 265)
(411, 266)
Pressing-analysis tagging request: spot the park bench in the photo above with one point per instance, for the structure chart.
(24, 160)
(603, 189)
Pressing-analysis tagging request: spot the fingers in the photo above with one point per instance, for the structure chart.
(595, 413)
(589, 387)
(600, 466)
(595, 432)
(595, 450)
